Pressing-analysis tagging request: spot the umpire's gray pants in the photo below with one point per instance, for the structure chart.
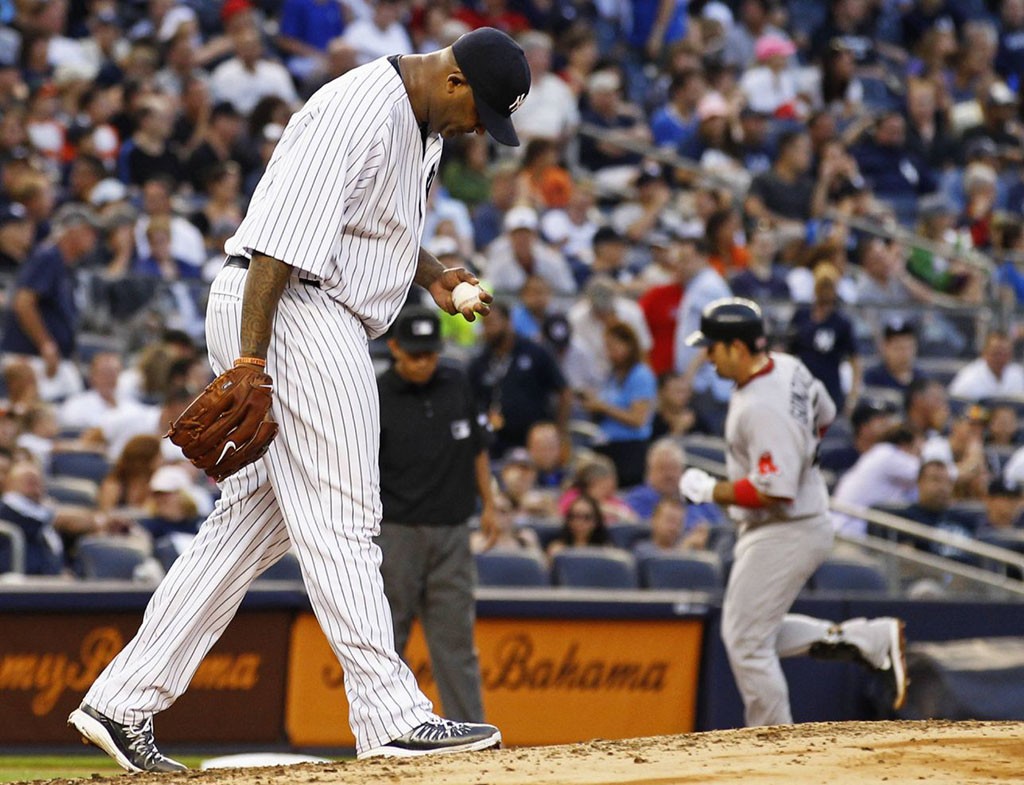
(429, 573)
(772, 565)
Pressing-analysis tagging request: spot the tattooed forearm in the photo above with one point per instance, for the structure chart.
(428, 269)
(263, 287)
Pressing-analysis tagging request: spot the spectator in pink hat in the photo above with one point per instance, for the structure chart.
(714, 117)
(771, 86)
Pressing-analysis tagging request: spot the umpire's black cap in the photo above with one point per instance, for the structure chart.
(729, 319)
(497, 72)
(418, 329)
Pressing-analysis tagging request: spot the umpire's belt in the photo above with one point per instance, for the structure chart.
(241, 261)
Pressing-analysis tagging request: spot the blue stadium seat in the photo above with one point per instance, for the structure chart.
(545, 529)
(848, 575)
(595, 568)
(285, 569)
(840, 430)
(72, 490)
(99, 557)
(88, 345)
(1011, 540)
(695, 571)
(971, 515)
(165, 552)
(511, 568)
(12, 548)
(832, 457)
(626, 535)
(87, 465)
(707, 450)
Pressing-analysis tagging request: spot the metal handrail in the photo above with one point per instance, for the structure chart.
(17, 539)
(931, 534)
(938, 563)
(969, 255)
(673, 159)
(659, 154)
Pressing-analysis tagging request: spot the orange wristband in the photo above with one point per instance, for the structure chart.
(251, 361)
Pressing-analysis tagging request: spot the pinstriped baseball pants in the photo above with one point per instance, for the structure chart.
(318, 489)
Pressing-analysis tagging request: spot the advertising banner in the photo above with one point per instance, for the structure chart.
(48, 661)
(545, 681)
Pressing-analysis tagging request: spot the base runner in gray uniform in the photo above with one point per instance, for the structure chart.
(779, 500)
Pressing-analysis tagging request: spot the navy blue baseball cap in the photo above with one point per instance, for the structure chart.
(418, 329)
(499, 76)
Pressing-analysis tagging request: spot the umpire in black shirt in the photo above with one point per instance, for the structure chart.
(433, 456)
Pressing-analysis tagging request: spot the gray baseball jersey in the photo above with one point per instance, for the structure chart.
(772, 431)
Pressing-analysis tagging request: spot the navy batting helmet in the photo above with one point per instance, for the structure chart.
(729, 319)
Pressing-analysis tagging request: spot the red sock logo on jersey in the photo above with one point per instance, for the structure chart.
(765, 464)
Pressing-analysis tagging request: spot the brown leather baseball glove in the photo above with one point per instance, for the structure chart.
(227, 426)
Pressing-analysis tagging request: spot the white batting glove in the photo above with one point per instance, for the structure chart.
(697, 486)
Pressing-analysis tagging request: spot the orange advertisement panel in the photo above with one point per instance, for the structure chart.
(546, 681)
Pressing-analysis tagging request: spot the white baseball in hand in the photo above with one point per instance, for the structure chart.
(465, 295)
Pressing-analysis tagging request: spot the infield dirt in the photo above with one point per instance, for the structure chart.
(933, 752)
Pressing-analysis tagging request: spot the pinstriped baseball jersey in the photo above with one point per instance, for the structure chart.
(343, 200)
(772, 431)
(344, 194)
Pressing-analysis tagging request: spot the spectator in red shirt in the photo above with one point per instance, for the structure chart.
(661, 308)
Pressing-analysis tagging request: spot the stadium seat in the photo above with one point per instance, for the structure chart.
(546, 529)
(12, 548)
(840, 430)
(88, 345)
(511, 568)
(86, 465)
(72, 490)
(626, 535)
(584, 434)
(849, 575)
(165, 552)
(969, 514)
(695, 571)
(595, 568)
(1011, 540)
(285, 569)
(711, 448)
(102, 557)
(832, 457)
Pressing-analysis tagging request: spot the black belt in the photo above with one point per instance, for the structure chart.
(241, 261)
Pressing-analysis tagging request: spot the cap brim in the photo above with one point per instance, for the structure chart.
(498, 125)
(697, 338)
(419, 346)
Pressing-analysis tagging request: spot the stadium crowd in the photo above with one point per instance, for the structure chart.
(854, 166)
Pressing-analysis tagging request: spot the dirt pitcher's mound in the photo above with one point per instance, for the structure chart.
(958, 753)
